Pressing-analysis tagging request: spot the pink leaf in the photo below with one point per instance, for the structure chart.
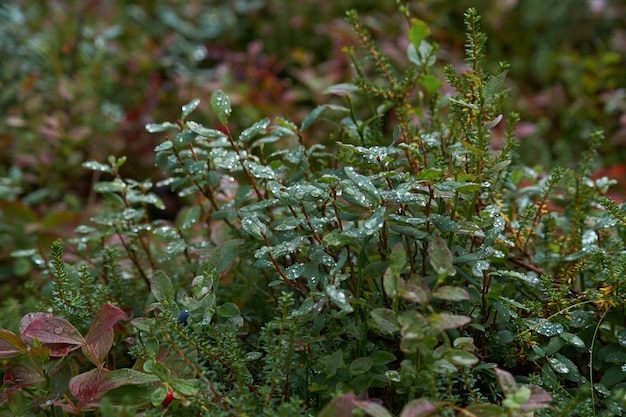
(340, 406)
(418, 408)
(49, 329)
(86, 386)
(98, 349)
(105, 319)
(99, 339)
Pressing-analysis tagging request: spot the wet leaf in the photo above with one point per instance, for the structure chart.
(260, 171)
(363, 183)
(340, 298)
(382, 357)
(385, 320)
(190, 217)
(49, 329)
(205, 132)
(546, 328)
(574, 340)
(461, 357)
(253, 226)
(445, 321)
(161, 286)
(256, 129)
(160, 127)
(445, 224)
(188, 108)
(451, 293)
(19, 375)
(220, 104)
(440, 257)
(97, 166)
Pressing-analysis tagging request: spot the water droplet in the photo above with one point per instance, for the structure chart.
(58, 330)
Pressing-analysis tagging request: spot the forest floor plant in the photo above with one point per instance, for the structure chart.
(400, 266)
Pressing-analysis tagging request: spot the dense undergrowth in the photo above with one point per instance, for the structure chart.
(404, 263)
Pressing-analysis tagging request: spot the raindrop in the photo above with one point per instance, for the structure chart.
(58, 330)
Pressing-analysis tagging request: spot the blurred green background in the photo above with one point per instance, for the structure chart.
(80, 79)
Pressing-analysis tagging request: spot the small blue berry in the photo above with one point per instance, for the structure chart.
(182, 319)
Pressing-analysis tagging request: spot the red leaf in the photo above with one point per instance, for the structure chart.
(86, 386)
(99, 339)
(105, 319)
(10, 344)
(18, 376)
(340, 406)
(49, 329)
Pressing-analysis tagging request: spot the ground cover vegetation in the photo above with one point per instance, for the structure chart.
(388, 251)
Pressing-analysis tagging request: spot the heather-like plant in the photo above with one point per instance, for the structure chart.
(409, 268)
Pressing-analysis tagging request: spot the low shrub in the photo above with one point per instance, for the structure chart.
(411, 266)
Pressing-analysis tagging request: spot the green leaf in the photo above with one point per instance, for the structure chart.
(161, 286)
(385, 320)
(253, 226)
(160, 127)
(444, 224)
(361, 365)
(445, 321)
(572, 339)
(220, 104)
(343, 89)
(115, 186)
(164, 146)
(382, 357)
(340, 298)
(312, 117)
(186, 387)
(330, 363)
(418, 32)
(494, 85)
(363, 183)
(188, 108)
(205, 132)
(431, 83)
(451, 293)
(440, 257)
(254, 130)
(228, 310)
(461, 357)
(189, 217)
(97, 166)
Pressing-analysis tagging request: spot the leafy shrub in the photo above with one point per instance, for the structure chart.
(409, 268)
